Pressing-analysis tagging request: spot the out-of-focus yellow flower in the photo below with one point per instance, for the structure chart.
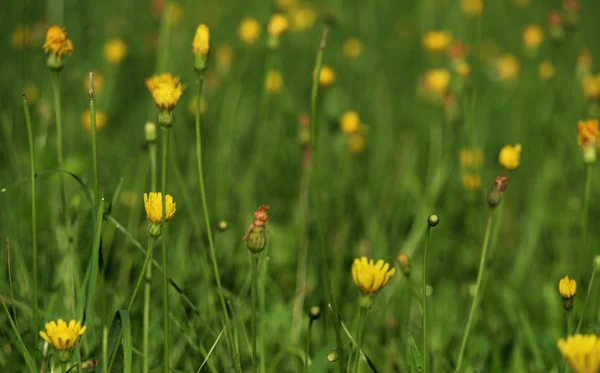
(273, 81)
(507, 67)
(533, 36)
(175, 13)
(404, 263)
(286, 4)
(201, 43)
(153, 205)
(510, 156)
(20, 37)
(470, 157)
(591, 86)
(370, 277)
(86, 120)
(356, 143)
(249, 30)
(278, 24)
(165, 89)
(302, 17)
(436, 41)
(350, 122)
(437, 80)
(98, 82)
(567, 287)
(57, 42)
(192, 106)
(472, 8)
(463, 69)
(62, 336)
(224, 55)
(353, 48)
(546, 70)
(32, 93)
(115, 50)
(471, 182)
(327, 76)
(584, 64)
(582, 352)
(587, 132)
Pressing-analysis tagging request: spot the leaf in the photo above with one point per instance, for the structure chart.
(120, 332)
(412, 355)
(20, 344)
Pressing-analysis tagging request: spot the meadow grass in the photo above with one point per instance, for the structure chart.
(406, 125)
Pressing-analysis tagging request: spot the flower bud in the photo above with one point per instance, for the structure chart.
(314, 313)
(433, 220)
(597, 261)
(567, 287)
(154, 230)
(333, 356)
(405, 266)
(150, 132)
(256, 236)
(497, 190)
(223, 225)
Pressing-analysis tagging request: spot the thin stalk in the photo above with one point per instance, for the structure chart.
(307, 348)
(587, 299)
(584, 214)
(475, 302)
(317, 197)
(234, 353)
(359, 333)
(59, 145)
(105, 346)
(10, 286)
(94, 140)
(254, 290)
(424, 295)
(138, 284)
(33, 218)
(165, 150)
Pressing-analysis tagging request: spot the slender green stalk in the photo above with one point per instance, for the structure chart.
(165, 150)
(10, 285)
(234, 353)
(317, 197)
(307, 348)
(475, 302)
(94, 140)
(59, 145)
(584, 215)
(138, 284)
(359, 333)
(424, 295)
(33, 217)
(254, 289)
(105, 346)
(587, 299)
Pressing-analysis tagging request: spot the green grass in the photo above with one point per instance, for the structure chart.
(374, 203)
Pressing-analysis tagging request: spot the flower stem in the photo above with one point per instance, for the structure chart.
(254, 281)
(165, 150)
(33, 214)
(317, 198)
(583, 253)
(59, 145)
(307, 348)
(234, 353)
(424, 295)
(359, 332)
(587, 299)
(138, 284)
(94, 140)
(475, 302)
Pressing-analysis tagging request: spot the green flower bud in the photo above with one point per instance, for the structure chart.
(256, 240)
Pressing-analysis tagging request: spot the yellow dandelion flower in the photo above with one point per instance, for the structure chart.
(273, 81)
(436, 41)
(471, 182)
(86, 120)
(249, 30)
(353, 48)
(278, 24)
(567, 287)
(463, 69)
(533, 36)
(98, 82)
(470, 157)
(192, 106)
(370, 277)
(510, 156)
(587, 132)
(165, 89)
(472, 8)
(582, 352)
(437, 80)
(327, 76)
(62, 336)
(350, 122)
(302, 17)
(507, 67)
(201, 43)
(591, 86)
(153, 205)
(546, 70)
(115, 50)
(20, 37)
(57, 42)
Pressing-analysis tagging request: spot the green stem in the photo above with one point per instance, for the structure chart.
(146, 316)
(105, 346)
(94, 142)
(584, 216)
(359, 332)
(317, 197)
(234, 353)
(254, 290)
(424, 295)
(587, 299)
(138, 284)
(475, 302)
(59, 144)
(165, 150)
(33, 214)
(307, 349)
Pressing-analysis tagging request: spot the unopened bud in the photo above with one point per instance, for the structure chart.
(154, 229)
(589, 154)
(597, 261)
(223, 225)
(497, 190)
(165, 118)
(314, 313)
(333, 356)
(433, 220)
(256, 240)
(150, 131)
(405, 266)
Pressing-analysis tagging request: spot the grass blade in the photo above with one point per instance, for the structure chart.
(20, 344)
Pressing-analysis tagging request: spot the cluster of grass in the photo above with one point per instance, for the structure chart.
(402, 129)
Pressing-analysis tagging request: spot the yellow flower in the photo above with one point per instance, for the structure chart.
(353, 48)
(273, 81)
(470, 157)
(437, 80)
(472, 8)
(57, 42)
(463, 69)
(567, 287)
(62, 336)
(591, 86)
(224, 55)
(587, 132)
(370, 277)
(302, 17)
(87, 121)
(356, 143)
(327, 76)
(350, 122)
(278, 24)
(507, 67)
(249, 30)
(153, 204)
(20, 37)
(471, 182)
(192, 106)
(582, 352)
(436, 41)
(510, 156)
(546, 70)
(533, 36)
(115, 51)
(201, 43)
(165, 89)
(98, 82)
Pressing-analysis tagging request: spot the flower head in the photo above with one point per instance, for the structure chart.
(57, 42)
(201, 43)
(533, 36)
(278, 24)
(404, 262)
(370, 277)
(582, 352)
(153, 203)
(587, 133)
(249, 30)
(567, 287)
(471, 181)
(86, 120)
(472, 8)
(546, 70)
(437, 80)
(356, 143)
(496, 191)
(507, 67)
(115, 51)
(273, 81)
(20, 37)
(510, 156)
(353, 48)
(436, 41)
(62, 336)
(256, 236)
(327, 76)
(470, 157)
(350, 122)
(165, 89)
(302, 17)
